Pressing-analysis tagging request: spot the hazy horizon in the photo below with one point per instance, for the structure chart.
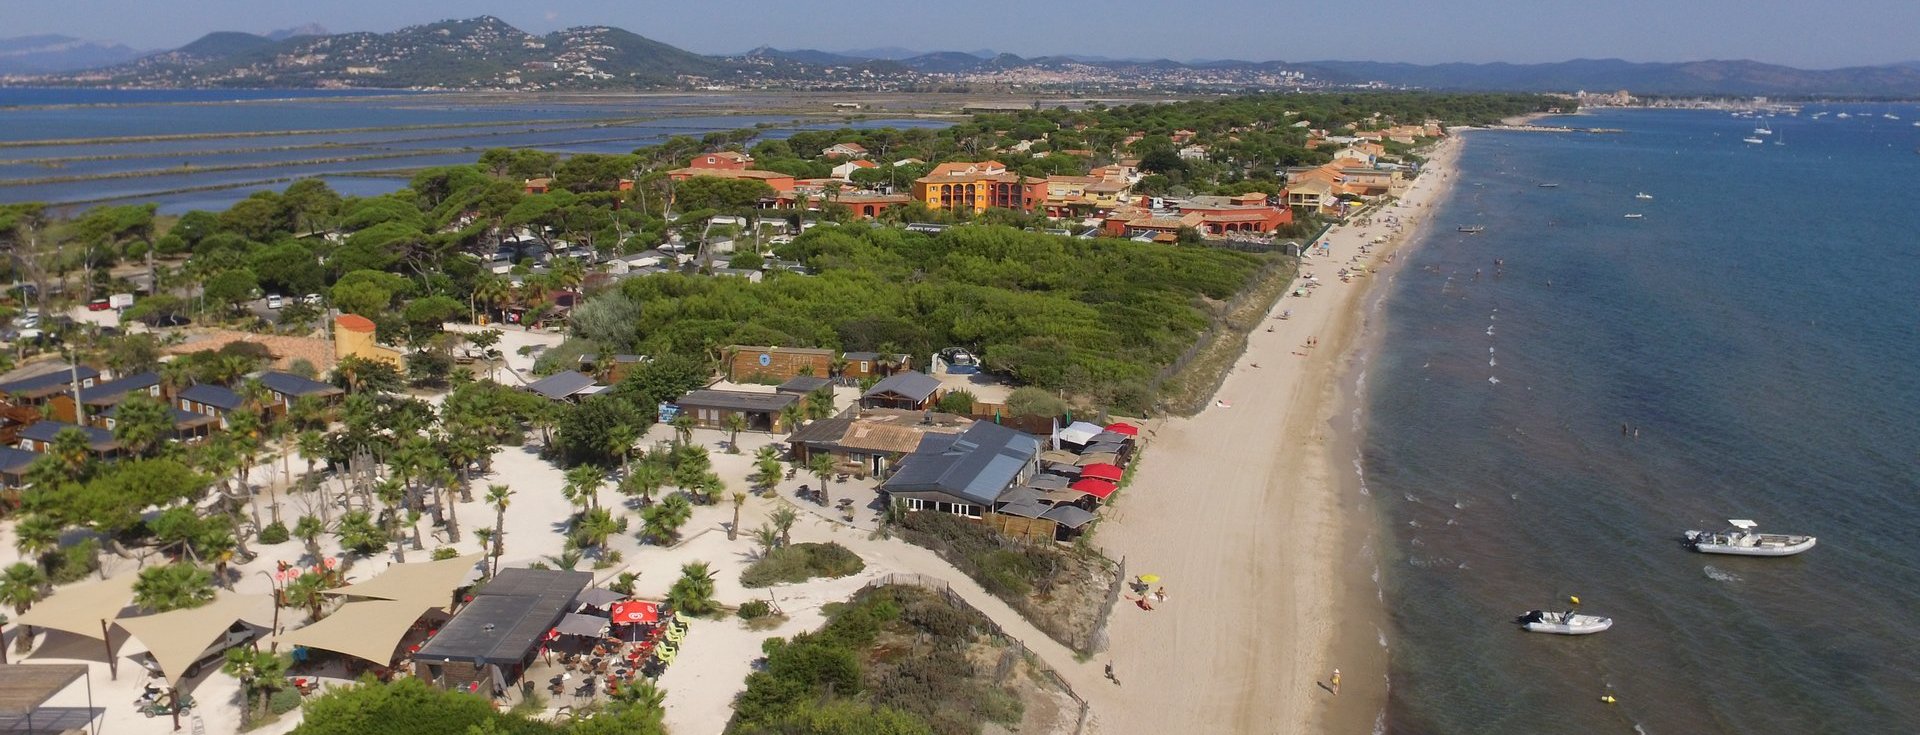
(1469, 31)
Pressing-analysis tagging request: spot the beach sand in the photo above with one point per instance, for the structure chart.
(1252, 513)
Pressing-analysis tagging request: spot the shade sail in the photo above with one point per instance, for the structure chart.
(176, 639)
(80, 608)
(1097, 488)
(1077, 432)
(1092, 458)
(636, 611)
(582, 625)
(431, 582)
(599, 597)
(369, 629)
(1102, 471)
(1124, 428)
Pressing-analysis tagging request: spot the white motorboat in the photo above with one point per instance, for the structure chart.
(1634, 216)
(1762, 130)
(1744, 541)
(1563, 623)
(1752, 141)
(1643, 195)
(1843, 116)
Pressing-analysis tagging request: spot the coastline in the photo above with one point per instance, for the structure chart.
(1256, 521)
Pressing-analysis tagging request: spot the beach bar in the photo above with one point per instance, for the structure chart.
(493, 640)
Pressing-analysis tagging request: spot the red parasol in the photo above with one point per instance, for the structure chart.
(635, 611)
(1095, 487)
(1102, 471)
(1124, 428)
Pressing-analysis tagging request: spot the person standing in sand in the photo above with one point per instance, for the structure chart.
(1336, 682)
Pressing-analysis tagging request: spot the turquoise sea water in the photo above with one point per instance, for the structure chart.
(1760, 326)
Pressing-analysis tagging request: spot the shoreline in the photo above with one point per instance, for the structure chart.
(1246, 516)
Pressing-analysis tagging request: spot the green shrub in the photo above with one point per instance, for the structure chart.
(74, 563)
(284, 701)
(755, 609)
(445, 552)
(275, 533)
(801, 562)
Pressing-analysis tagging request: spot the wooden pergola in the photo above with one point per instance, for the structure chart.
(24, 688)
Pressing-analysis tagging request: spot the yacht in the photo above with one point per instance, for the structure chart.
(1562, 623)
(1742, 540)
(1763, 130)
(1752, 141)
(1643, 195)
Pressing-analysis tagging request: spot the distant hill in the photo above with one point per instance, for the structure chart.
(487, 53)
(1674, 78)
(46, 54)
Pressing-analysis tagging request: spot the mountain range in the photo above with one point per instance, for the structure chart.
(488, 53)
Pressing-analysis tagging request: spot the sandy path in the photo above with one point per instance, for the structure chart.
(1239, 509)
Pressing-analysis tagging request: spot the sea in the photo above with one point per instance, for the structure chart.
(1552, 402)
(205, 149)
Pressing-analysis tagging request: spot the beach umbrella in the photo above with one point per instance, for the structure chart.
(1149, 578)
(1102, 471)
(635, 611)
(1097, 488)
(1124, 428)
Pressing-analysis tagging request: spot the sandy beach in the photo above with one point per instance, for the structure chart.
(1252, 514)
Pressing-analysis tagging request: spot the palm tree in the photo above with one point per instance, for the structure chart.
(620, 441)
(308, 530)
(499, 496)
(766, 536)
(708, 487)
(683, 425)
(258, 671)
(175, 586)
(308, 592)
(489, 290)
(793, 415)
(820, 403)
(733, 531)
(644, 480)
(822, 467)
(783, 519)
(21, 585)
(583, 486)
(595, 527)
(312, 446)
(734, 424)
(693, 592)
(766, 472)
(661, 523)
(36, 535)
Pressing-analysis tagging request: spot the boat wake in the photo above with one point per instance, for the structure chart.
(1719, 575)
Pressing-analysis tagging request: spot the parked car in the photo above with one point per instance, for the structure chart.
(312, 298)
(99, 305)
(238, 634)
(275, 301)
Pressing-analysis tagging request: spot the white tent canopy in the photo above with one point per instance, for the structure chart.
(176, 639)
(1078, 432)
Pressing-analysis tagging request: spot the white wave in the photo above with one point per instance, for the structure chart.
(1493, 380)
(1463, 565)
(1411, 498)
(1459, 504)
(1452, 522)
(1719, 575)
(1492, 362)
(1380, 635)
(1415, 524)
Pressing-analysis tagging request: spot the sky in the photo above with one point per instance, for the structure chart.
(1792, 32)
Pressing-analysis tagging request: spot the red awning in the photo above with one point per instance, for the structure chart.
(635, 611)
(1097, 488)
(1124, 428)
(1102, 471)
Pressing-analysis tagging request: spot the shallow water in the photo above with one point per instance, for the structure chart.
(1758, 329)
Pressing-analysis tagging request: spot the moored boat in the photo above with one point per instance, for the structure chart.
(1742, 540)
(1473, 229)
(1563, 623)
(1643, 195)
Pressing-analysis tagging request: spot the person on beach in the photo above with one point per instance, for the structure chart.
(1336, 682)
(1110, 676)
(1160, 595)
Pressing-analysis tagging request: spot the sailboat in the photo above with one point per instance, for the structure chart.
(1762, 130)
(1643, 195)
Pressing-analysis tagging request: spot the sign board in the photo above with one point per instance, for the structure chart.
(120, 300)
(667, 412)
(765, 359)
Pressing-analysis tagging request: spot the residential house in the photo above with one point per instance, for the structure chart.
(726, 160)
(570, 386)
(34, 388)
(187, 426)
(801, 385)
(40, 437)
(871, 205)
(538, 186)
(285, 388)
(103, 396)
(710, 408)
(353, 336)
(208, 399)
(873, 439)
(747, 364)
(783, 185)
(963, 474)
(1193, 152)
(1246, 213)
(862, 365)
(910, 390)
(978, 186)
(845, 150)
(844, 172)
(14, 462)
(1313, 194)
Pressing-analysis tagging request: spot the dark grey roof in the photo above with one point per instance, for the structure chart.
(113, 389)
(1063, 470)
(803, 384)
(1109, 437)
(821, 431)
(180, 418)
(1071, 516)
(45, 431)
(582, 625)
(736, 400)
(1047, 481)
(561, 385)
(1108, 447)
(217, 396)
(507, 618)
(1019, 494)
(1023, 509)
(293, 385)
(49, 382)
(913, 384)
(976, 464)
(14, 460)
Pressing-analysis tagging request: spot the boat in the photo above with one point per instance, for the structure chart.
(1549, 186)
(1754, 141)
(1742, 540)
(1762, 130)
(1473, 229)
(1890, 116)
(1635, 216)
(1643, 195)
(1842, 116)
(1562, 623)
(1916, 123)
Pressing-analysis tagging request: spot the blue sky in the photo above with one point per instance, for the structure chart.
(1796, 32)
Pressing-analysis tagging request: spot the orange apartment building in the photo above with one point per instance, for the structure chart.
(977, 186)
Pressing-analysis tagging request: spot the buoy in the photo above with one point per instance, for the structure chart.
(1608, 698)
(1575, 599)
